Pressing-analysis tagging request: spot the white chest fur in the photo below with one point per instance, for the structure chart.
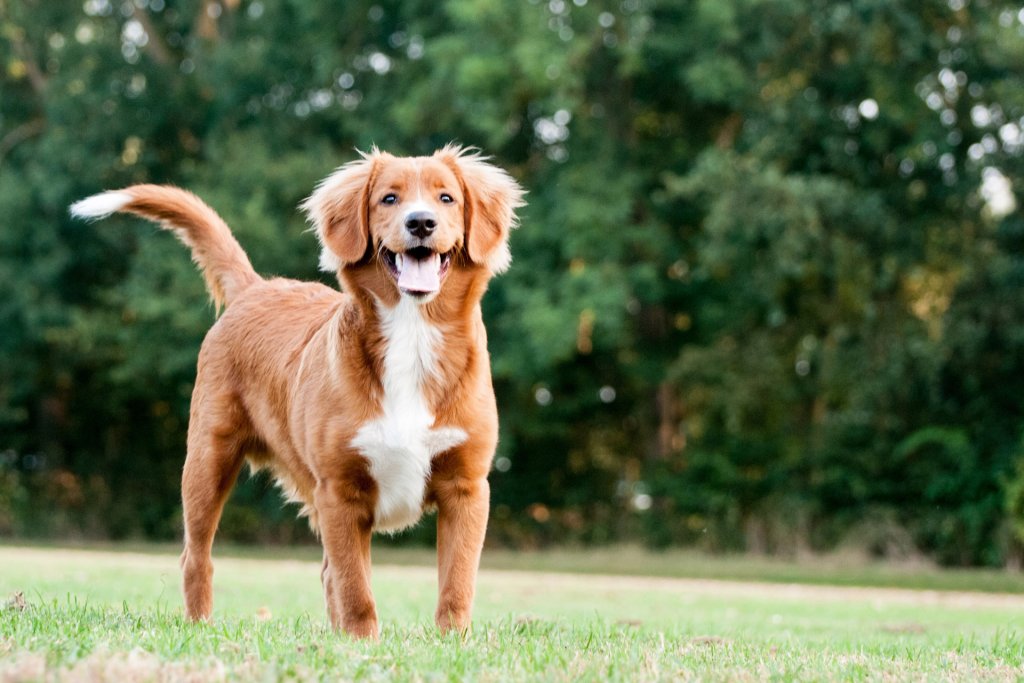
(401, 443)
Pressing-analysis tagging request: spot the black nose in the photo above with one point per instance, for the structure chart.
(421, 223)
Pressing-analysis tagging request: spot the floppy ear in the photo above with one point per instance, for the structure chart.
(491, 198)
(339, 210)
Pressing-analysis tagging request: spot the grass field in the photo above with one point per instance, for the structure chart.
(113, 615)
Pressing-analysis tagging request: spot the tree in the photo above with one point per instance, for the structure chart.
(758, 296)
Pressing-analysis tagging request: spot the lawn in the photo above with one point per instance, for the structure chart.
(112, 615)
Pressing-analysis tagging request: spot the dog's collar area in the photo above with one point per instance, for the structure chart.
(417, 271)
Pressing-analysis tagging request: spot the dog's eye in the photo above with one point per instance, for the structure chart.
(390, 198)
(447, 198)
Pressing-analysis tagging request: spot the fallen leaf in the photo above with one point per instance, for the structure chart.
(709, 640)
(16, 602)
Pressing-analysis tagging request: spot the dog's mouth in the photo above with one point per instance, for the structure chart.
(418, 271)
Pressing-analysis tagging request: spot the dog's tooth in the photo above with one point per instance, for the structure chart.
(399, 259)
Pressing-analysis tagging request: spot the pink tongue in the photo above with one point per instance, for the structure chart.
(420, 275)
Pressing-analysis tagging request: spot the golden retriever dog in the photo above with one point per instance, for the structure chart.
(368, 405)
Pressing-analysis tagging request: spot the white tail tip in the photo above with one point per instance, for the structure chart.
(100, 205)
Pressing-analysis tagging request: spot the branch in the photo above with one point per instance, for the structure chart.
(730, 128)
(36, 77)
(156, 46)
(206, 23)
(19, 135)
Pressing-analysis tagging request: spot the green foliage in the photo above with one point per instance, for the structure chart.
(761, 292)
(1014, 486)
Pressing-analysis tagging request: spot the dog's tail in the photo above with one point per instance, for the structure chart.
(220, 258)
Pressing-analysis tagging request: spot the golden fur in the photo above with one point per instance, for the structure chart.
(358, 401)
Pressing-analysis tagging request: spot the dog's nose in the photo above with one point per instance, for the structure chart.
(421, 223)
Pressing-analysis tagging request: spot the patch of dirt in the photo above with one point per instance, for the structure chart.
(751, 589)
(137, 666)
(596, 583)
(912, 628)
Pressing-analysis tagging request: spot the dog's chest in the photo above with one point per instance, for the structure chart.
(401, 442)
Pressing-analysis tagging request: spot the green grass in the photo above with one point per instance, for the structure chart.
(102, 615)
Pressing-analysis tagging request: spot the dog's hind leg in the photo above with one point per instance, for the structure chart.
(215, 457)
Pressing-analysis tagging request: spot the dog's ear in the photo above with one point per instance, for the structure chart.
(339, 210)
(491, 199)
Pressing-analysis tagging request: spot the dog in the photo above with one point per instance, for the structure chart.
(369, 405)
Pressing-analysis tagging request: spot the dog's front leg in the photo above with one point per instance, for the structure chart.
(345, 516)
(462, 508)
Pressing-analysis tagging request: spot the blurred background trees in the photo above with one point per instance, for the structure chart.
(766, 294)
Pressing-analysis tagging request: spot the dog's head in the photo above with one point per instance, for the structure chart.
(415, 219)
